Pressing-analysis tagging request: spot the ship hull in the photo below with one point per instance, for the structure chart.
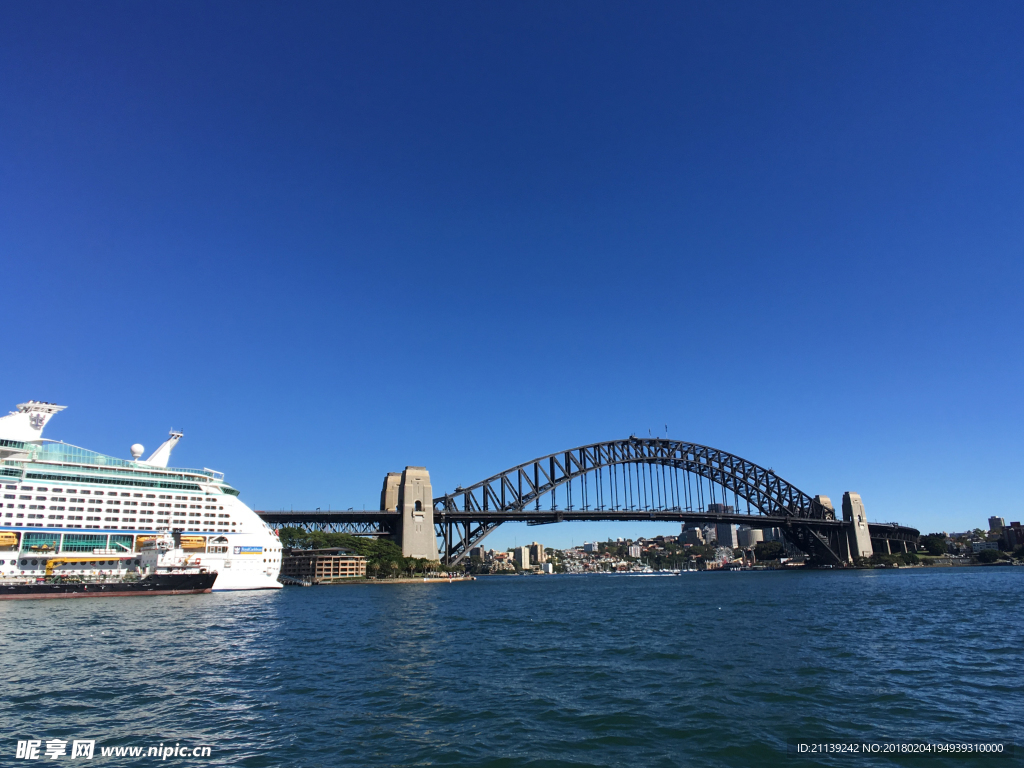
(168, 584)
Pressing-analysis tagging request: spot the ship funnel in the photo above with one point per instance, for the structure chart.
(26, 424)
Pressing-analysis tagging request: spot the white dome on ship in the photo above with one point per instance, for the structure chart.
(137, 450)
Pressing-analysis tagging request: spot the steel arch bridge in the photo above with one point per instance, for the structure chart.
(637, 478)
(633, 479)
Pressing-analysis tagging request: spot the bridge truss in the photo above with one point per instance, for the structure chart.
(637, 478)
(633, 479)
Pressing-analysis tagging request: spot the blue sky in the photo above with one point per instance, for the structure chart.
(329, 240)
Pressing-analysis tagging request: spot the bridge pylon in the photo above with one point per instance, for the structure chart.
(860, 535)
(410, 494)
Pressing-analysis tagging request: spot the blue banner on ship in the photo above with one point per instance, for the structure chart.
(248, 550)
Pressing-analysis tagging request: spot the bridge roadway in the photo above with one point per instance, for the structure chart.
(373, 522)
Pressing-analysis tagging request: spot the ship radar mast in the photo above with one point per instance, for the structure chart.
(162, 454)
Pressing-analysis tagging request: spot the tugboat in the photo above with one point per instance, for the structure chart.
(164, 568)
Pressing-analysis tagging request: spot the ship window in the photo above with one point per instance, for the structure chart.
(150, 496)
(84, 491)
(83, 542)
(99, 493)
(26, 487)
(11, 487)
(40, 498)
(25, 498)
(121, 542)
(126, 494)
(71, 490)
(8, 495)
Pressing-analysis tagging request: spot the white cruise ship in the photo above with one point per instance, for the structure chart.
(88, 514)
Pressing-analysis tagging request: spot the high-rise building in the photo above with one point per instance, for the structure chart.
(589, 546)
(695, 536)
(477, 552)
(771, 534)
(996, 524)
(748, 537)
(536, 554)
(521, 555)
(721, 509)
(726, 533)
(633, 551)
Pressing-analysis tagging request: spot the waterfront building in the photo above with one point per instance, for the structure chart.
(634, 551)
(726, 535)
(320, 565)
(521, 556)
(590, 546)
(1013, 535)
(996, 524)
(477, 552)
(548, 568)
(536, 554)
(695, 536)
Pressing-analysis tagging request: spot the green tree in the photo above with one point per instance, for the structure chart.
(934, 543)
(987, 556)
(769, 550)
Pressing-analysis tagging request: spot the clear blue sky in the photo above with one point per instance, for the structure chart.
(328, 240)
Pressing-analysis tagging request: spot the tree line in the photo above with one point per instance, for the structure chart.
(383, 558)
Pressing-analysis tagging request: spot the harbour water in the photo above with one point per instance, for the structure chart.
(700, 669)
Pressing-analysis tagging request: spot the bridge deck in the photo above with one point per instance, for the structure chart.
(386, 518)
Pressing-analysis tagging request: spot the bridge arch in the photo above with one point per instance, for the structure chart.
(665, 471)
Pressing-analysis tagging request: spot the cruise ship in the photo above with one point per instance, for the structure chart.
(92, 515)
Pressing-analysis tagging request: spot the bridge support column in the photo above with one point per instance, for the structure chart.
(410, 493)
(857, 531)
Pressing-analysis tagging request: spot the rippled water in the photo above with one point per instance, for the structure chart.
(697, 669)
